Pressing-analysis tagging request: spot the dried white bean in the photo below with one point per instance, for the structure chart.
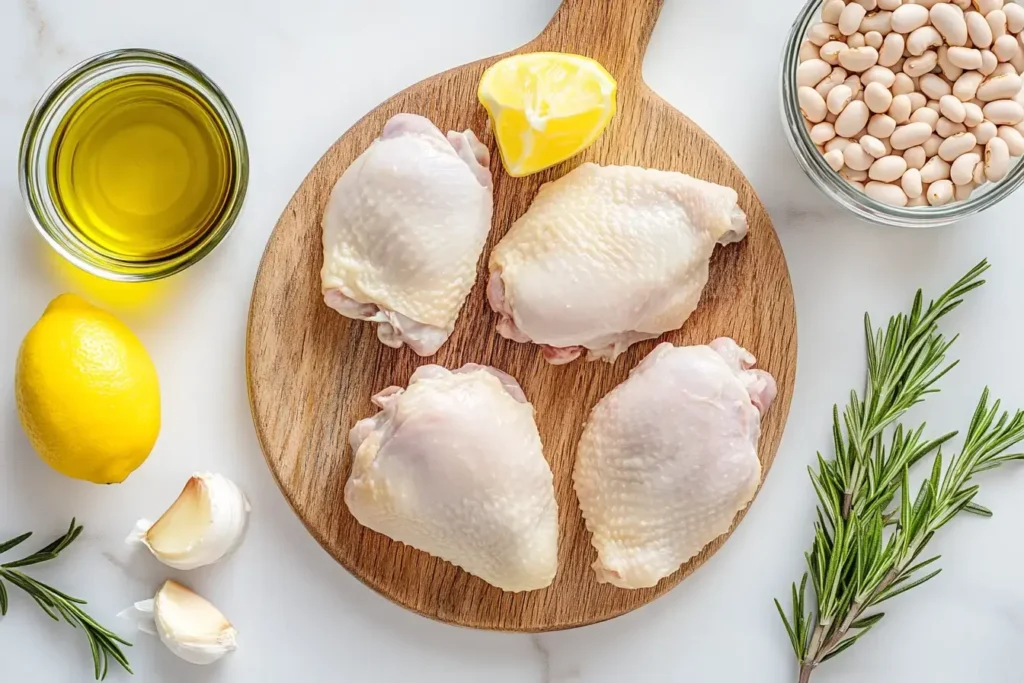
(949, 20)
(1013, 139)
(838, 98)
(923, 38)
(984, 131)
(966, 87)
(918, 201)
(963, 192)
(1014, 17)
(822, 132)
(909, 135)
(1004, 69)
(961, 171)
(997, 159)
(950, 70)
(812, 105)
(934, 169)
(854, 176)
(892, 49)
(877, 97)
(999, 87)
(966, 58)
(1004, 112)
(903, 84)
(972, 114)
(933, 86)
(911, 183)
(838, 143)
(819, 34)
(996, 22)
(989, 62)
(919, 66)
(946, 128)
(931, 145)
(854, 84)
(915, 157)
(979, 171)
(978, 30)
(853, 118)
(940, 192)
(917, 100)
(955, 145)
(877, 22)
(811, 72)
(906, 18)
(925, 115)
(886, 193)
(878, 74)
(874, 39)
(881, 126)
(858, 59)
(829, 53)
(856, 40)
(952, 108)
(835, 159)
(856, 158)
(888, 169)
(832, 10)
(873, 146)
(986, 6)
(1005, 48)
(849, 20)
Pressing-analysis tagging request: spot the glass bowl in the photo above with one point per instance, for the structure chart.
(34, 163)
(842, 192)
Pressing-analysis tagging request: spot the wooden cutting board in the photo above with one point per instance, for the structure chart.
(312, 372)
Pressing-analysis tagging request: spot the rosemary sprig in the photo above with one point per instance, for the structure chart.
(105, 645)
(866, 542)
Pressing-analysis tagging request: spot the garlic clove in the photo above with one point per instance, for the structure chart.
(187, 624)
(205, 524)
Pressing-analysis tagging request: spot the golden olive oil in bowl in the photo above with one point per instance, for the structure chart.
(134, 165)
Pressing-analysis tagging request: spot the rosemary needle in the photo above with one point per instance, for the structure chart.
(105, 645)
(871, 530)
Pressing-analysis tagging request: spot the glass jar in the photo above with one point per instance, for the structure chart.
(37, 176)
(842, 192)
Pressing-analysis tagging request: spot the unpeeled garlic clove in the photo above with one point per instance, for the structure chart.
(189, 625)
(204, 524)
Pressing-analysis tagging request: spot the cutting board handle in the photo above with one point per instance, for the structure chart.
(614, 32)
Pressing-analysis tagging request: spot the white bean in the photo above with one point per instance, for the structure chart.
(889, 4)
(1005, 48)
(952, 108)
(934, 169)
(903, 84)
(849, 20)
(997, 159)
(853, 118)
(906, 18)
(986, 6)
(854, 176)
(949, 20)
(900, 109)
(917, 100)
(838, 98)
(829, 53)
(961, 171)
(812, 105)
(996, 22)
(940, 192)
(819, 34)
(856, 40)
(919, 66)
(979, 171)
(978, 30)
(888, 168)
(825, 87)
(808, 50)
(822, 132)
(911, 183)
(877, 22)
(925, 115)
(984, 131)
(950, 70)
(856, 158)
(877, 97)
(972, 114)
(923, 38)
(934, 86)
(1004, 112)
(909, 135)
(886, 193)
(915, 157)
(858, 59)
(881, 126)
(989, 62)
(999, 87)
(963, 192)
(918, 201)
(931, 145)
(946, 128)
(854, 84)
(878, 74)
(1014, 17)
(832, 10)
(811, 72)
(838, 143)
(966, 58)
(966, 87)
(874, 39)
(955, 145)
(873, 146)
(1013, 139)
(835, 159)
(892, 49)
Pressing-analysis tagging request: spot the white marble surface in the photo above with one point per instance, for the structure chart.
(299, 76)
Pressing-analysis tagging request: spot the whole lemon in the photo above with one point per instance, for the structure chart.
(87, 392)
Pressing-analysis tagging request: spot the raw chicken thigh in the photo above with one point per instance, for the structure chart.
(453, 466)
(607, 256)
(403, 231)
(669, 457)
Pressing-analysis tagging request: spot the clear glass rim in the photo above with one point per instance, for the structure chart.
(833, 185)
(34, 153)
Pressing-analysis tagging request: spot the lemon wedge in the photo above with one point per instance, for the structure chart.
(545, 107)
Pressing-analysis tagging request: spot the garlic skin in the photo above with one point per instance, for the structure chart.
(187, 624)
(205, 524)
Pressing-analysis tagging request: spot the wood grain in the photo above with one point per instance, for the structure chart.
(312, 372)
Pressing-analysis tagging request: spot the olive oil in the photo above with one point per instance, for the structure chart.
(141, 167)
